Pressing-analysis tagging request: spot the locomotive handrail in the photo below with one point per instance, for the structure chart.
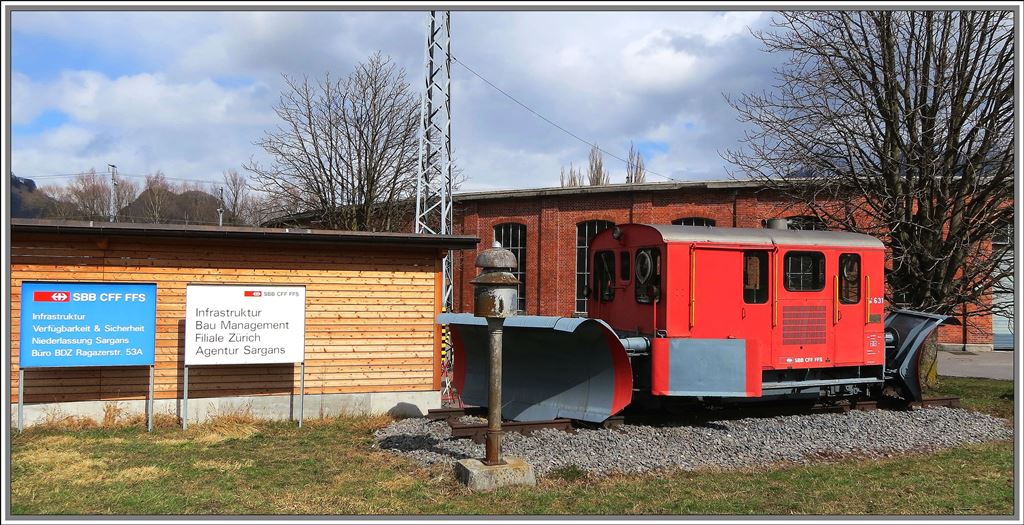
(693, 285)
(867, 298)
(777, 287)
(835, 300)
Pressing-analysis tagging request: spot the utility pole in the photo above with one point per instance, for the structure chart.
(220, 208)
(113, 191)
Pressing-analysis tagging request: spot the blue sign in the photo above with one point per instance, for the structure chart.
(80, 324)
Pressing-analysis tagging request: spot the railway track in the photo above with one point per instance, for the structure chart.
(477, 431)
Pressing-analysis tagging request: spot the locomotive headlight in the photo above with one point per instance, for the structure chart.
(891, 339)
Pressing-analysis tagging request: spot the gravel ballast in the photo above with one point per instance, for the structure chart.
(725, 444)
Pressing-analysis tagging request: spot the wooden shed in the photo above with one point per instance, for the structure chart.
(371, 343)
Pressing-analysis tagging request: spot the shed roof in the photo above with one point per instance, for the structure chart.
(192, 231)
(606, 188)
(766, 236)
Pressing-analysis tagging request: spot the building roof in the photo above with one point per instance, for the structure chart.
(607, 188)
(191, 231)
(766, 236)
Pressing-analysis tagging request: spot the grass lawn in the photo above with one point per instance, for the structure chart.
(239, 466)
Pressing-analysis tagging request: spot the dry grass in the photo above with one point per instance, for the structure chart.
(234, 423)
(115, 415)
(137, 419)
(353, 419)
(57, 419)
(134, 475)
(370, 423)
(56, 466)
(222, 466)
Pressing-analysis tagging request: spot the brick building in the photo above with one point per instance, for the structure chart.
(549, 230)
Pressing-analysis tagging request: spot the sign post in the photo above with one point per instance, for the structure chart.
(302, 391)
(67, 325)
(21, 399)
(246, 324)
(149, 400)
(184, 402)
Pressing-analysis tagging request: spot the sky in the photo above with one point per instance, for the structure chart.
(190, 93)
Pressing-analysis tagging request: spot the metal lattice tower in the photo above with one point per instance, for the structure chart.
(434, 184)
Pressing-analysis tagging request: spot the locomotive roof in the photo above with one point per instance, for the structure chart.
(672, 233)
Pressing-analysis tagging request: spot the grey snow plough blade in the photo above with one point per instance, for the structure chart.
(552, 367)
(908, 330)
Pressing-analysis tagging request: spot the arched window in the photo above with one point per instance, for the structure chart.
(694, 221)
(806, 222)
(512, 237)
(585, 231)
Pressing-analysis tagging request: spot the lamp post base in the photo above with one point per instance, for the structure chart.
(477, 476)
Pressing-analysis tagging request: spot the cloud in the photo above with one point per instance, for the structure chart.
(26, 104)
(200, 86)
(612, 79)
(141, 123)
(146, 100)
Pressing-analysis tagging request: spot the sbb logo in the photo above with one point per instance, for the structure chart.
(51, 297)
(253, 293)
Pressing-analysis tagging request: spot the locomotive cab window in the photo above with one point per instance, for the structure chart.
(648, 275)
(804, 271)
(604, 275)
(755, 277)
(849, 278)
(624, 273)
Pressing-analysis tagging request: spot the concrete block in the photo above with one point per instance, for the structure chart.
(477, 476)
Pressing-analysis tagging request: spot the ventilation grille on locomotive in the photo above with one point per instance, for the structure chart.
(803, 325)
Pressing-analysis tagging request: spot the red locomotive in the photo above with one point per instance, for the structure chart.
(680, 313)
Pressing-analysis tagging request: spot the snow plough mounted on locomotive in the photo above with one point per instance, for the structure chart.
(680, 314)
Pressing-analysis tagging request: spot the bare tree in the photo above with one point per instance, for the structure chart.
(898, 124)
(347, 150)
(597, 175)
(125, 193)
(61, 204)
(157, 198)
(256, 209)
(571, 178)
(90, 193)
(91, 196)
(236, 196)
(636, 173)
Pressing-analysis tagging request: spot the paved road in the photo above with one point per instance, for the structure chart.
(993, 365)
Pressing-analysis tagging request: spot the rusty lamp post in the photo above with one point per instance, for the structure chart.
(496, 296)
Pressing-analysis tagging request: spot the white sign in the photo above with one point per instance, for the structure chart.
(244, 324)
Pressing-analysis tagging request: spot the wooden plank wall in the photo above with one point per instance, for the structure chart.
(369, 314)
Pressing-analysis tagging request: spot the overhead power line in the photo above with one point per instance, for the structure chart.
(549, 121)
(119, 174)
